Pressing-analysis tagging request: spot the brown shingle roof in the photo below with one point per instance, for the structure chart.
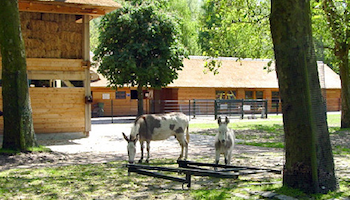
(234, 73)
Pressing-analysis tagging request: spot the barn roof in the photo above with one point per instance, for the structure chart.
(89, 7)
(240, 73)
(235, 73)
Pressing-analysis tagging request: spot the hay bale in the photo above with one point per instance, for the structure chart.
(36, 25)
(49, 35)
(33, 43)
(53, 54)
(48, 17)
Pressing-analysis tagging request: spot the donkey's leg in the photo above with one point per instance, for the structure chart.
(229, 157)
(183, 143)
(217, 156)
(148, 148)
(226, 158)
(142, 146)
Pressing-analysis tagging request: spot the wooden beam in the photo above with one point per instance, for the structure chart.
(54, 64)
(62, 8)
(56, 75)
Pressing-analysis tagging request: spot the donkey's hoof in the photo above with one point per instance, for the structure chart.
(147, 161)
(140, 161)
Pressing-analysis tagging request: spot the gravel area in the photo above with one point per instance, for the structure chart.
(106, 143)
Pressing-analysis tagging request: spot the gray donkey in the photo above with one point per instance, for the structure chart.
(224, 142)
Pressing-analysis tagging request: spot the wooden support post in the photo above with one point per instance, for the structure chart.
(86, 58)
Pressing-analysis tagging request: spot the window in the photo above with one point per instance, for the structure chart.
(220, 94)
(225, 94)
(275, 95)
(249, 95)
(259, 94)
(39, 83)
(120, 95)
(133, 94)
(231, 94)
(275, 98)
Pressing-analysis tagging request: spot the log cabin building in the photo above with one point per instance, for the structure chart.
(237, 79)
(56, 36)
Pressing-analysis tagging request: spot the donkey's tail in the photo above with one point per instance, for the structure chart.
(187, 135)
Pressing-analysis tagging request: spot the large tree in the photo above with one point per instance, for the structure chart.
(338, 16)
(139, 46)
(309, 162)
(18, 123)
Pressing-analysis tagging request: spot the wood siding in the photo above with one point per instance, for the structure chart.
(128, 106)
(56, 110)
(113, 106)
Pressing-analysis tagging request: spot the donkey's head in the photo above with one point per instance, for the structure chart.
(131, 147)
(223, 130)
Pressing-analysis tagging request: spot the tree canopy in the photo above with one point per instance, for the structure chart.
(139, 45)
(236, 29)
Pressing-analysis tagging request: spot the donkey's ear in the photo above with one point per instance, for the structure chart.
(126, 138)
(227, 120)
(219, 120)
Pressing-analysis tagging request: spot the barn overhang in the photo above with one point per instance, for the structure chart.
(78, 7)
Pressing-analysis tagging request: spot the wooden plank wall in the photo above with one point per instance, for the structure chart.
(196, 93)
(121, 107)
(58, 110)
(333, 99)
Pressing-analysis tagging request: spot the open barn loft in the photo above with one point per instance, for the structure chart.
(56, 37)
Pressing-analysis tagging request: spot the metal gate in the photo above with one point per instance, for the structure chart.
(252, 108)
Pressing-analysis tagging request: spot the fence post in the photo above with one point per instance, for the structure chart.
(112, 109)
(266, 108)
(194, 108)
(189, 109)
(242, 110)
(215, 109)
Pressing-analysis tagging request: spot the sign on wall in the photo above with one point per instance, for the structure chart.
(106, 96)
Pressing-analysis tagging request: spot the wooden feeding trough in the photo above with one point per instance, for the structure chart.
(189, 168)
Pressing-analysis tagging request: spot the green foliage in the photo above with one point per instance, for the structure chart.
(236, 29)
(139, 45)
(322, 36)
(188, 12)
(94, 33)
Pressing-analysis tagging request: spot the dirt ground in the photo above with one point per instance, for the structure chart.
(106, 144)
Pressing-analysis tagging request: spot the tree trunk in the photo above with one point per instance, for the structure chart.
(309, 162)
(340, 33)
(140, 100)
(345, 90)
(18, 123)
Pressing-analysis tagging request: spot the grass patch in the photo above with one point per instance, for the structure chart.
(111, 181)
(265, 144)
(32, 149)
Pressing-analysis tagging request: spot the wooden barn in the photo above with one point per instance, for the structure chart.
(237, 79)
(56, 37)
